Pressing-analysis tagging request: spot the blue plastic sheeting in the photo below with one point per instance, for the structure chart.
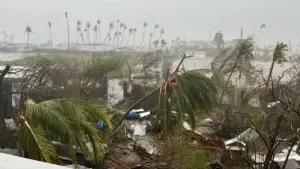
(132, 116)
(101, 124)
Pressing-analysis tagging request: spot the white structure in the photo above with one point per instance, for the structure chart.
(14, 162)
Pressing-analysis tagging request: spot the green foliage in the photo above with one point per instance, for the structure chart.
(178, 153)
(98, 66)
(279, 53)
(190, 93)
(68, 121)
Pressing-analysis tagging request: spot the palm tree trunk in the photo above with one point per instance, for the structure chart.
(270, 71)
(88, 34)
(68, 30)
(96, 37)
(27, 48)
(50, 36)
(143, 37)
(229, 77)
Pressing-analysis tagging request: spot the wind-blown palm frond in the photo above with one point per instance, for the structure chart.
(191, 93)
(36, 144)
(187, 93)
(68, 121)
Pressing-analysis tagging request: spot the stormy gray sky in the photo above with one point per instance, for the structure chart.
(189, 19)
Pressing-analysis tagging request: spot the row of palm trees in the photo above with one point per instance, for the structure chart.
(115, 35)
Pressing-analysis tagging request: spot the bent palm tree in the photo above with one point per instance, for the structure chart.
(70, 122)
(188, 93)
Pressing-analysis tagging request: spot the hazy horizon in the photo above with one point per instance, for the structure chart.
(189, 19)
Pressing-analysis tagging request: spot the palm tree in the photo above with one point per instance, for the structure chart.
(98, 23)
(78, 29)
(95, 29)
(152, 34)
(68, 29)
(82, 37)
(124, 29)
(28, 31)
(133, 32)
(68, 121)
(144, 31)
(88, 26)
(182, 95)
(162, 32)
(50, 26)
(111, 27)
(129, 34)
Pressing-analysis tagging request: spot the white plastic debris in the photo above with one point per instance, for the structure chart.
(144, 114)
(139, 130)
